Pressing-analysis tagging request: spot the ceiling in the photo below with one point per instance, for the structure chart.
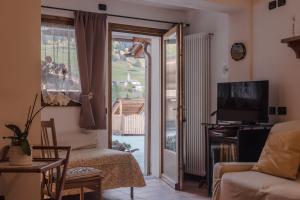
(213, 5)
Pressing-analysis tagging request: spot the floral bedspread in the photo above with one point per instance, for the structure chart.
(119, 169)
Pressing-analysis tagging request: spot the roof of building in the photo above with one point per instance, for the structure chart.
(128, 106)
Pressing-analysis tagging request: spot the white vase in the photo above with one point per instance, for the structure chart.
(18, 158)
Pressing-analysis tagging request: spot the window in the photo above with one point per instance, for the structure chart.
(60, 80)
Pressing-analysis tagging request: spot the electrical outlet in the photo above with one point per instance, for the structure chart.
(102, 7)
(272, 110)
(272, 5)
(281, 110)
(281, 3)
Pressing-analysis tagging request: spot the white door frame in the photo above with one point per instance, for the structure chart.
(112, 27)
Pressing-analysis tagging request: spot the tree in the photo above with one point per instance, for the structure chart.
(115, 91)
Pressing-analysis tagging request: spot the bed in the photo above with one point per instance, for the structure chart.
(120, 169)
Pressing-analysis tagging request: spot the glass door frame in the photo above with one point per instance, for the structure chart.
(177, 184)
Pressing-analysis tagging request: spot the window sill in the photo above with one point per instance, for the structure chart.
(70, 104)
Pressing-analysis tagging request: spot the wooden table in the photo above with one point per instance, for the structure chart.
(38, 167)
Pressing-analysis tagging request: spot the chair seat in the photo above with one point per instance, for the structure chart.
(251, 185)
(81, 173)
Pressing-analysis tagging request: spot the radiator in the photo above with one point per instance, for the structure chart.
(197, 101)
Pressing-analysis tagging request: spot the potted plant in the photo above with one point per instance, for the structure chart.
(20, 150)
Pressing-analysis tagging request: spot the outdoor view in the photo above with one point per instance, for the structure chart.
(59, 66)
(128, 97)
(171, 96)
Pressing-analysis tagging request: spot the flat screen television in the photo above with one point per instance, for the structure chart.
(246, 102)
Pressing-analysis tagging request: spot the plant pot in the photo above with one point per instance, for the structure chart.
(18, 158)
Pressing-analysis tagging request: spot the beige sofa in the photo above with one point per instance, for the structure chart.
(236, 181)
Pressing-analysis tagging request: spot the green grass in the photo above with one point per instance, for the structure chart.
(121, 66)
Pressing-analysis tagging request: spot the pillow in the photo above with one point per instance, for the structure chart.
(281, 154)
(77, 140)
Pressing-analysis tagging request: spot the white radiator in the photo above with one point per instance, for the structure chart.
(197, 100)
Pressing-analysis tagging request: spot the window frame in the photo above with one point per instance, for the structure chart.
(63, 21)
(57, 20)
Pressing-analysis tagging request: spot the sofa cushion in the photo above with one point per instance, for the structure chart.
(281, 155)
(286, 126)
(255, 185)
(288, 190)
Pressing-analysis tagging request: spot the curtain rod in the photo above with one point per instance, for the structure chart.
(120, 16)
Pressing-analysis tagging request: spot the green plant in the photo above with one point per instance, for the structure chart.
(120, 146)
(20, 138)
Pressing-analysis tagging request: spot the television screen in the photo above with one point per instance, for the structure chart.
(245, 102)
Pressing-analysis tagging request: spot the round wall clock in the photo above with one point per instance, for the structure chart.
(238, 51)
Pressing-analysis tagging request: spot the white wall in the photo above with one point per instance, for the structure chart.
(240, 30)
(233, 25)
(273, 60)
(119, 8)
(71, 115)
(19, 82)
(267, 58)
(216, 23)
(20, 64)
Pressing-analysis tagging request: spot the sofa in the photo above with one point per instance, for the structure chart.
(237, 181)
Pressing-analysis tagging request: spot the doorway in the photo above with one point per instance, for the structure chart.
(130, 64)
(162, 143)
(133, 53)
(174, 154)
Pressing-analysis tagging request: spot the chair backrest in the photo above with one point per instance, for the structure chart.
(48, 138)
(54, 179)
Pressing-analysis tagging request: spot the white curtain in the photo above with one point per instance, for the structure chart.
(59, 66)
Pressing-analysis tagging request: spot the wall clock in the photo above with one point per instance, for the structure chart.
(238, 51)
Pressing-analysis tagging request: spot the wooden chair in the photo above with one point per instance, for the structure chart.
(79, 177)
(84, 177)
(53, 180)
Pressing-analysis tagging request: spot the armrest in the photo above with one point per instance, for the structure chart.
(221, 168)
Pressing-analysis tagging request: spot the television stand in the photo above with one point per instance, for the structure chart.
(244, 123)
(238, 143)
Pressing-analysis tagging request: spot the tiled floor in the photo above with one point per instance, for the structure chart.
(155, 190)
